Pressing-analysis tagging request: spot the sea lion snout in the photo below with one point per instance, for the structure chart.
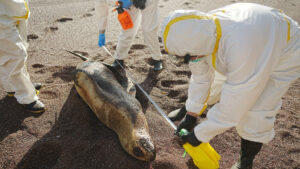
(145, 149)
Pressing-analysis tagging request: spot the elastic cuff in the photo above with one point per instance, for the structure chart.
(101, 32)
(260, 138)
(195, 107)
(192, 114)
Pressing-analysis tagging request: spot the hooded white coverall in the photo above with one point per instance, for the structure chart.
(256, 47)
(13, 50)
(149, 19)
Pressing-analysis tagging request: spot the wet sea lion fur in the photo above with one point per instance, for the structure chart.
(110, 95)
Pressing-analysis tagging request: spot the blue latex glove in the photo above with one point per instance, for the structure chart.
(126, 3)
(101, 41)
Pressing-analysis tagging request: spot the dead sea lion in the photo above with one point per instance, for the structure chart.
(112, 100)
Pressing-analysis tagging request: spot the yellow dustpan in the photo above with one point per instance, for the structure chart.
(204, 155)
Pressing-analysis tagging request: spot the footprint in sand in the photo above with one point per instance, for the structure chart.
(65, 73)
(183, 98)
(173, 93)
(46, 69)
(294, 151)
(26, 136)
(37, 65)
(179, 72)
(32, 37)
(58, 71)
(51, 29)
(180, 94)
(285, 135)
(48, 95)
(169, 83)
(49, 81)
(141, 69)
(138, 46)
(295, 127)
(87, 15)
(64, 19)
(149, 61)
(186, 3)
(130, 51)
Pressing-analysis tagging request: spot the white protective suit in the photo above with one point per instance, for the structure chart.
(149, 19)
(13, 50)
(256, 47)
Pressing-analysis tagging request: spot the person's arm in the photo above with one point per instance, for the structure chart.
(101, 9)
(198, 93)
(199, 87)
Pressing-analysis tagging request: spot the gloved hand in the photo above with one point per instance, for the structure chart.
(141, 4)
(126, 3)
(187, 123)
(101, 41)
(191, 138)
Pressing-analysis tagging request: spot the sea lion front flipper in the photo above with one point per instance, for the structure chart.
(122, 78)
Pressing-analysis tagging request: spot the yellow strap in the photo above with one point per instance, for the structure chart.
(186, 17)
(219, 35)
(289, 27)
(27, 13)
(204, 104)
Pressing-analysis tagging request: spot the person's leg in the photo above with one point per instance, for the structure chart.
(150, 24)
(13, 56)
(22, 26)
(5, 24)
(126, 37)
(249, 150)
(257, 125)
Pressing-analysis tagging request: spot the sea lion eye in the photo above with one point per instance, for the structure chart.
(138, 152)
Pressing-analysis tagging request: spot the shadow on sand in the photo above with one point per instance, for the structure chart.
(147, 85)
(78, 140)
(12, 115)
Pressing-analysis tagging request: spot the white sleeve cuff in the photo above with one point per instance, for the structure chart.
(194, 107)
(214, 125)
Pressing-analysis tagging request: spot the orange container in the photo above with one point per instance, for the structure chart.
(125, 20)
(123, 16)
